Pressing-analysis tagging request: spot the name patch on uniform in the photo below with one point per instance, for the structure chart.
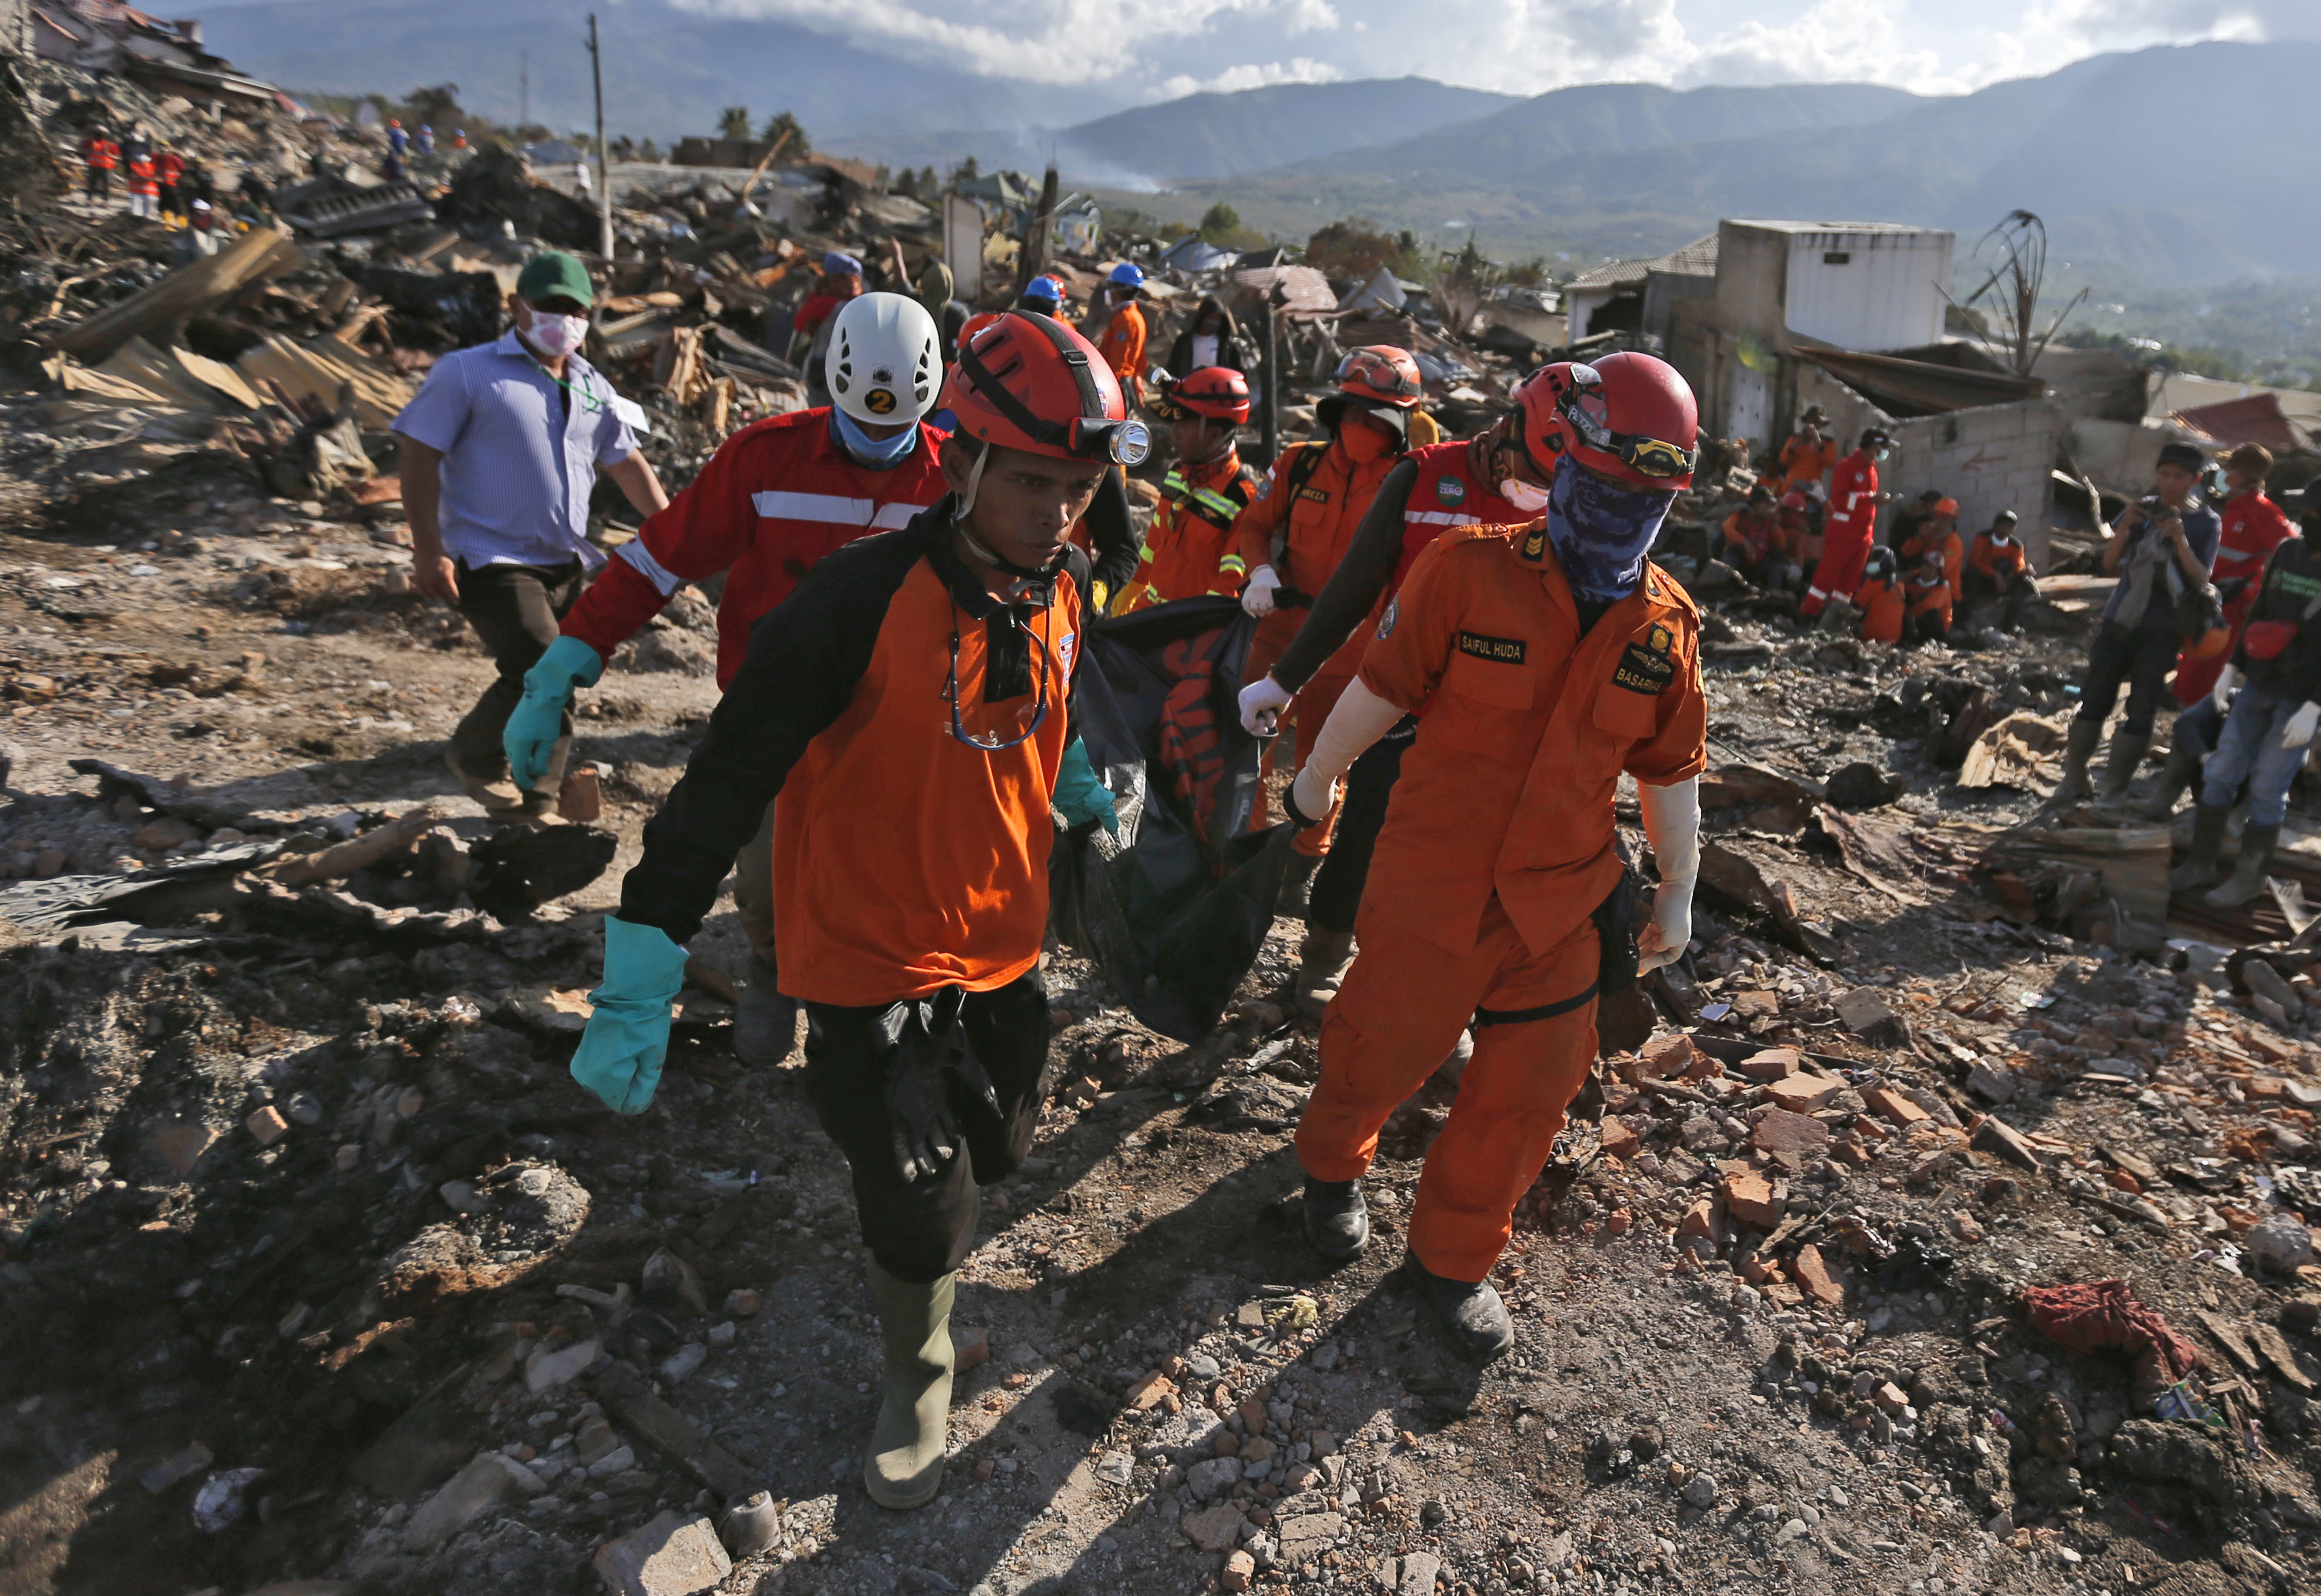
(1503, 650)
(1316, 494)
(1645, 666)
(1449, 490)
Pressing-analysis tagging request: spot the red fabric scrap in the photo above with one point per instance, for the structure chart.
(2103, 1316)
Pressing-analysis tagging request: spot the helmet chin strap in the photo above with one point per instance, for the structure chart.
(977, 546)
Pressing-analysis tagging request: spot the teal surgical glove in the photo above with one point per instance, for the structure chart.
(1079, 794)
(627, 1038)
(538, 721)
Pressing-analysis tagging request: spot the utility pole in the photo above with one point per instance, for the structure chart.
(604, 161)
(523, 93)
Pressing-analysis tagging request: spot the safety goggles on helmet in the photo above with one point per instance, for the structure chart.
(1585, 407)
(1381, 372)
(1090, 436)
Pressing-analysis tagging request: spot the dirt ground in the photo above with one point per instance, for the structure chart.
(295, 1182)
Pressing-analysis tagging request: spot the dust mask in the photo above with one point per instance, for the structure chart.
(555, 336)
(1364, 444)
(1525, 497)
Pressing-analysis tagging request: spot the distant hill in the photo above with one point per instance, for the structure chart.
(2113, 151)
(666, 71)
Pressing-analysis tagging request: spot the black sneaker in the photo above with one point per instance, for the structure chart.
(1337, 1220)
(1477, 1318)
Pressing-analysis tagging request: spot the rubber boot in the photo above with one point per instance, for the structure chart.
(501, 797)
(2120, 764)
(2081, 748)
(905, 1465)
(1337, 1219)
(765, 1023)
(1476, 1317)
(2199, 866)
(1322, 964)
(1296, 885)
(2175, 781)
(2257, 842)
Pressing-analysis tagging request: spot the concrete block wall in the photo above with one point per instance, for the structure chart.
(1991, 457)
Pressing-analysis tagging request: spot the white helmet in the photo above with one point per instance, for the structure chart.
(885, 364)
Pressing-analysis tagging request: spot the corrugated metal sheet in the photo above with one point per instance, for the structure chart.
(1307, 292)
(2257, 419)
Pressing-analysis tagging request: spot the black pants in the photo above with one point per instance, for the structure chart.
(2014, 589)
(516, 610)
(1337, 890)
(1928, 626)
(923, 1230)
(2137, 656)
(100, 182)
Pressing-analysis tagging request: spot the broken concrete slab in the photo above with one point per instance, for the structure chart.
(675, 1554)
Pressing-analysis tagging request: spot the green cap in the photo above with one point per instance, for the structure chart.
(551, 274)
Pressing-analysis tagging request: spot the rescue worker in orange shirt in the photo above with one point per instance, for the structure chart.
(144, 185)
(1881, 599)
(1551, 658)
(1809, 456)
(1997, 568)
(103, 156)
(1937, 538)
(911, 705)
(1927, 601)
(777, 497)
(1189, 548)
(1760, 545)
(1300, 526)
(1499, 478)
(1122, 341)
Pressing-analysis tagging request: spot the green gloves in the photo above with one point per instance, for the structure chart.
(538, 721)
(1080, 795)
(627, 1038)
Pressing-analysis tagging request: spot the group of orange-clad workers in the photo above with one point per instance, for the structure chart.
(1468, 636)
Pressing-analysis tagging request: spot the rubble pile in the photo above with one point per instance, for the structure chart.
(1946, 1226)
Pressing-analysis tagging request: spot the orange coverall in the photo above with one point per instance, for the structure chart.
(1498, 847)
(1304, 542)
(1189, 548)
(1881, 606)
(1123, 348)
(1932, 543)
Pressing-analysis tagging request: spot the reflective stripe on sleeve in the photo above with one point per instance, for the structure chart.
(833, 509)
(664, 580)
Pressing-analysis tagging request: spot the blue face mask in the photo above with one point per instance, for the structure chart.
(880, 454)
(1602, 531)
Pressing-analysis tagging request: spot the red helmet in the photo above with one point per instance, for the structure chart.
(1381, 372)
(1217, 392)
(1632, 418)
(1796, 502)
(1539, 402)
(1029, 382)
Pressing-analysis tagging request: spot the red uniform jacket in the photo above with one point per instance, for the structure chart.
(1854, 495)
(776, 497)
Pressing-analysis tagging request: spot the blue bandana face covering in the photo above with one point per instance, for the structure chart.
(880, 454)
(1601, 531)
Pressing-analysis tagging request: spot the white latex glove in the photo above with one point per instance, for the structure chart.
(2301, 725)
(1361, 719)
(2226, 679)
(1257, 598)
(1672, 824)
(1261, 704)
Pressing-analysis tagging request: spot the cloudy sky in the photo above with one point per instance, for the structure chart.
(1155, 49)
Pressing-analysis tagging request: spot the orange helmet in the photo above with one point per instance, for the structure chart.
(1381, 372)
(1029, 382)
(1540, 401)
(1220, 393)
(1634, 419)
(1945, 507)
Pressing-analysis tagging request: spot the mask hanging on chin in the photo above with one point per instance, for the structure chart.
(1530, 500)
(555, 336)
(879, 454)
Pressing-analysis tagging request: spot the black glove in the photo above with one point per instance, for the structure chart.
(932, 1074)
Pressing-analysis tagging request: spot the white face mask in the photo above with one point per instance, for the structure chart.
(555, 336)
(1522, 495)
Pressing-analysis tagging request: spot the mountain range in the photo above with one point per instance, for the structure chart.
(2176, 164)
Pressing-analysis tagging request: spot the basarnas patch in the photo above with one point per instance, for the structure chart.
(1646, 665)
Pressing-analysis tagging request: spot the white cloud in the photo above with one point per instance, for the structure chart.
(1834, 41)
(1234, 79)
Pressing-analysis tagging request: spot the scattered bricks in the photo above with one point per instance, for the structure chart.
(1703, 1066)
(1851, 1153)
(1964, 1227)
(1774, 1064)
(180, 1142)
(1213, 1530)
(674, 1555)
(1258, 1449)
(266, 1125)
(2120, 1180)
(1665, 1058)
(1752, 1200)
(1147, 1393)
(1756, 1005)
(1779, 1130)
(743, 1303)
(2002, 1141)
(1241, 1571)
(1753, 1270)
(1810, 1273)
(970, 1345)
(1890, 1399)
(1618, 1141)
(1802, 1094)
(1892, 1107)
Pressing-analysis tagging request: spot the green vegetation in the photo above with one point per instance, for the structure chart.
(734, 123)
(2265, 329)
(782, 125)
(1356, 247)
